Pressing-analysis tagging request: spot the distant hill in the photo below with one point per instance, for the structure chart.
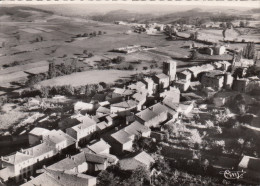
(122, 15)
(22, 13)
(187, 17)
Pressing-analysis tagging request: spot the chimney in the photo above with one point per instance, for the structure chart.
(116, 128)
(144, 107)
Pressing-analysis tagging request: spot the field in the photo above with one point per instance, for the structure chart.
(89, 77)
(46, 36)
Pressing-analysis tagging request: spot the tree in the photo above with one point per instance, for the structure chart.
(194, 55)
(242, 24)
(249, 51)
(194, 36)
(52, 69)
(99, 32)
(106, 178)
(145, 68)
(130, 67)
(139, 177)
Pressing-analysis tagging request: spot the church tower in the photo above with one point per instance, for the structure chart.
(169, 68)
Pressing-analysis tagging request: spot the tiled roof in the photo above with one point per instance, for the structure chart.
(103, 110)
(60, 178)
(99, 146)
(144, 158)
(136, 128)
(170, 103)
(250, 163)
(94, 158)
(214, 73)
(57, 136)
(102, 125)
(171, 93)
(16, 158)
(39, 150)
(141, 159)
(82, 106)
(99, 97)
(158, 108)
(161, 76)
(125, 104)
(146, 114)
(185, 72)
(121, 136)
(65, 164)
(87, 122)
(139, 97)
(148, 80)
(122, 91)
(37, 131)
(136, 86)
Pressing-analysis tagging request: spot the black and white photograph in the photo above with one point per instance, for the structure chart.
(129, 93)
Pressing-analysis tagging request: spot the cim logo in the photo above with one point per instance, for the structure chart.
(231, 175)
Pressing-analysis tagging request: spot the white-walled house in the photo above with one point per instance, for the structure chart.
(82, 131)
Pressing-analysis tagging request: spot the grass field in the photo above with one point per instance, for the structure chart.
(89, 77)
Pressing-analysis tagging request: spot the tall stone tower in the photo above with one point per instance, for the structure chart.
(169, 68)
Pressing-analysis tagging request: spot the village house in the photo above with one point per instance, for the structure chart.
(61, 178)
(100, 147)
(112, 97)
(121, 141)
(81, 162)
(185, 107)
(183, 85)
(196, 70)
(153, 116)
(40, 152)
(102, 111)
(242, 62)
(246, 84)
(101, 126)
(35, 135)
(137, 129)
(20, 165)
(219, 50)
(142, 159)
(223, 98)
(83, 107)
(59, 140)
(17, 166)
(83, 131)
(123, 108)
(169, 69)
(216, 79)
(149, 85)
(140, 99)
(137, 86)
(162, 80)
(251, 167)
(174, 93)
(123, 92)
(71, 121)
(222, 65)
(184, 75)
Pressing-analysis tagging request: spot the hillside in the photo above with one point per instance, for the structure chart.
(21, 13)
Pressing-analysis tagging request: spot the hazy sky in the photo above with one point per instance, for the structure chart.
(89, 7)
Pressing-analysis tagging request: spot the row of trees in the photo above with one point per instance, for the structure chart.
(92, 34)
(67, 90)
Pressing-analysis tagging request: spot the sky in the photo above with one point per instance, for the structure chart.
(90, 7)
